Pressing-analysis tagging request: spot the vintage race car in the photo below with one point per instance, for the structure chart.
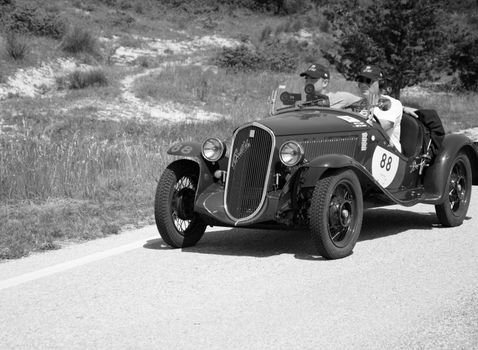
(313, 167)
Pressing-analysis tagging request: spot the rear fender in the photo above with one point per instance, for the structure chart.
(436, 176)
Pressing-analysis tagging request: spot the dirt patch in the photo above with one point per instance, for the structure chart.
(34, 81)
(38, 81)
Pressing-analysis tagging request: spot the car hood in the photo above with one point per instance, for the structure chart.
(313, 122)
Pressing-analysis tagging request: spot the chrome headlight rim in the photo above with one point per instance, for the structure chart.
(213, 144)
(297, 155)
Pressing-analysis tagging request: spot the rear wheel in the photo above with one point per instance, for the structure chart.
(336, 212)
(177, 223)
(453, 210)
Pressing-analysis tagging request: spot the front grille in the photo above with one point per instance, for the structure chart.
(248, 172)
(333, 145)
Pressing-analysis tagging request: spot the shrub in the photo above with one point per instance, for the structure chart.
(121, 18)
(464, 59)
(239, 58)
(110, 3)
(16, 46)
(80, 79)
(271, 56)
(280, 57)
(265, 33)
(32, 19)
(291, 7)
(79, 40)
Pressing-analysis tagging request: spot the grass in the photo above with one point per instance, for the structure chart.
(16, 46)
(74, 177)
(457, 111)
(242, 97)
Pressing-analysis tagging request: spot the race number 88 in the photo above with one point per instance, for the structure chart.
(386, 162)
(182, 148)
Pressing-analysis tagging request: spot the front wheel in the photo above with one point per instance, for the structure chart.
(453, 210)
(336, 212)
(177, 223)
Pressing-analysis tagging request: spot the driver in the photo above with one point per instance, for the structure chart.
(370, 82)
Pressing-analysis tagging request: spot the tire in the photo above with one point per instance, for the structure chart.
(336, 212)
(177, 223)
(457, 193)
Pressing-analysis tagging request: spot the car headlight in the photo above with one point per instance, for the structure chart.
(213, 149)
(291, 153)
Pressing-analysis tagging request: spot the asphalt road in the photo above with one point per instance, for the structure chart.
(410, 284)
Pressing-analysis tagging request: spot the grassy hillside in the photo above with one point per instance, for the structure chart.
(93, 92)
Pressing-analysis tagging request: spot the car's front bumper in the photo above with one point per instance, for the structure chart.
(210, 205)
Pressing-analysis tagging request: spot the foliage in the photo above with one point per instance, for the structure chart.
(16, 46)
(395, 35)
(271, 55)
(78, 39)
(464, 60)
(121, 19)
(29, 18)
(80, 79)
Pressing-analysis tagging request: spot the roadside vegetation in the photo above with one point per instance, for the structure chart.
(67, 173)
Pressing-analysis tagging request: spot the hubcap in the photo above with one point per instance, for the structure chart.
(457, 187)
(182, 206)
(341, 214)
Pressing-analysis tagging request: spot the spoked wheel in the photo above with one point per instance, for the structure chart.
(336, 212)
(177, 223)
(453, 210)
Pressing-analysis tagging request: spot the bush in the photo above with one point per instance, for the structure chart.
(34, 20)
(80, 79)
(16, 46)
(271, 56)
(265, 33)
(291, 7)
(280, 57)
(239, 58)
(464, 60)
(79, 40)
(121, 18)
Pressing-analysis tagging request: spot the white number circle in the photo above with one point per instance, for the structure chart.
(384, 166)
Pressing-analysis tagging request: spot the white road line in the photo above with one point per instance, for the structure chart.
(48, 271)
(27, 277)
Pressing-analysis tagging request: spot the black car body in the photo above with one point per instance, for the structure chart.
(315, 167)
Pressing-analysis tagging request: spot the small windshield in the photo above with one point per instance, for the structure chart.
(295, 94)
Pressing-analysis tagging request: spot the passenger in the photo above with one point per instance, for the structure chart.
(370, 82)
(319, 76)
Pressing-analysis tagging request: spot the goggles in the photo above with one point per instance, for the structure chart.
(364, 80)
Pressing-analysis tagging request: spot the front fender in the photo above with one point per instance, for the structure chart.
(185, 149)
(191, 151)
(436, 176)
(319, 165)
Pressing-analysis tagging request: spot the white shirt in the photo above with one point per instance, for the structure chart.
(394, 115)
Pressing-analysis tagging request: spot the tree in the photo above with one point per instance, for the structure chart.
(402, 37)
(464, 60)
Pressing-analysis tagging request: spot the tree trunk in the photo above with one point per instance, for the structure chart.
(395, 87)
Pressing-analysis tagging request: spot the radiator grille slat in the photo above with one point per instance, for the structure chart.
(248, 171)
(340, 145)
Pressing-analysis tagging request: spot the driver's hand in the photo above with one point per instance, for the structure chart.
(411, 111)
